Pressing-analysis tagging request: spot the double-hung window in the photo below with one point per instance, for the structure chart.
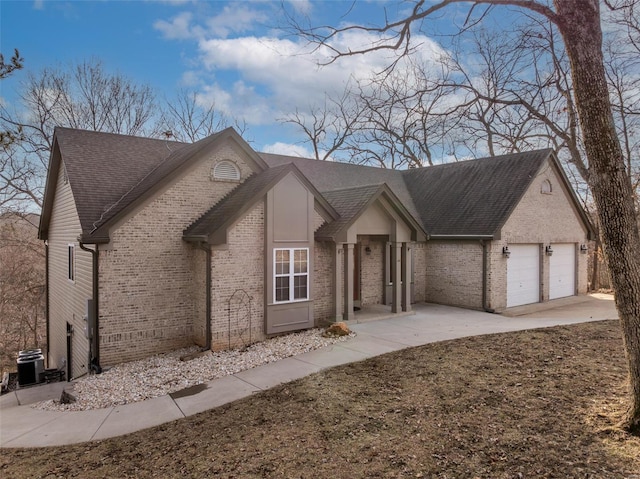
(291, 274)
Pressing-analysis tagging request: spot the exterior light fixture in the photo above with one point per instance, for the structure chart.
(548, 250)
(367, 250)
(583, 248)
(505, 251)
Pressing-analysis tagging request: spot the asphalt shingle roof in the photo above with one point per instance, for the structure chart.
(349, 203)
(102, 167)
(473, 197)
(109, 172)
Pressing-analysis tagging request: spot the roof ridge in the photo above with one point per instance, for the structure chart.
(127, 135)
(361, 187)
(335, 162)
(504, 156)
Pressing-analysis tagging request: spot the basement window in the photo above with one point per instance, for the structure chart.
(225, 170)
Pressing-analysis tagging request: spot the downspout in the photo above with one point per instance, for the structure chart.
(46, 296)
(207, 249)
(95, 338)
(485, 306)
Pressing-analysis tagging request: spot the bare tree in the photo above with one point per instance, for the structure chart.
(189, 118)
(327, 127)
(578, 22)
(22, 288)
(16, 62)
(84, 97)
(405, 116)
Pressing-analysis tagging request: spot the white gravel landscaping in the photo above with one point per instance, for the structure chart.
(166, 373)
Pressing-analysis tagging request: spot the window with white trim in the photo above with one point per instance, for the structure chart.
(291, 274)
(72, 262)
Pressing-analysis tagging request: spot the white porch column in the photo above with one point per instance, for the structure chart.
(406, 277)
(396, 254)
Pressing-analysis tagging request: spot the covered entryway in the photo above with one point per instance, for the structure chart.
(372, 222)
(523, 274)
(562, 271)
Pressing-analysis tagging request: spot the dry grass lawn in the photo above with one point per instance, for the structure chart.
(533, 404)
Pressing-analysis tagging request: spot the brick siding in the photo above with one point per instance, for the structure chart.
(147, 292)
(237, 285)
(454, 273)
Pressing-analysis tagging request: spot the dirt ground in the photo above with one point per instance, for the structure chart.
(533, 404)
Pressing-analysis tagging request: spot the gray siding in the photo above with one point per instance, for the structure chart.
(67, 299)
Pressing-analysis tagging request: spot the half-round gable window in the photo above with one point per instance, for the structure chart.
(226, 170)
(545, 188)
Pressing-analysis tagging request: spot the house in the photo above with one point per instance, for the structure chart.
(154, 245)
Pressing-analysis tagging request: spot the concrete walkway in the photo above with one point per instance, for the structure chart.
(23, 426)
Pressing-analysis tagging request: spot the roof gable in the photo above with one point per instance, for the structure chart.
(109, 174)
(473, 198)
(212, 226)
(100, 167)
(351, 203)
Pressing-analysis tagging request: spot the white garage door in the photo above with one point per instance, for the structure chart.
(523, 274)
(562, 271)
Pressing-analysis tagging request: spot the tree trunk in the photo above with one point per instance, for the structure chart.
(579, 23)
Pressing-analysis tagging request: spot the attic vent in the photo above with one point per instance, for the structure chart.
(226, 170)
(545, 188)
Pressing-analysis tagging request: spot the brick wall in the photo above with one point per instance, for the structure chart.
(454, 273)
(199, 295)
(147, 302)
(237, 284)
(420, 266)
(323, 283)
(372, 273)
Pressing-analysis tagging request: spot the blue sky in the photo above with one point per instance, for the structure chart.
(232, 53)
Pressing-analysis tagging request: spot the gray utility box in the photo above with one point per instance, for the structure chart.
(30, 366)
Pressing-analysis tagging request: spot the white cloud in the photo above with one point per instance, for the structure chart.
(303, 7)
(235, 18)
(263, 78)
(179, 28)
(288, 149)
(190, 78)
(285, 75)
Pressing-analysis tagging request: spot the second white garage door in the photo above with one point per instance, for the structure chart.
(562, 271)
(523, 274)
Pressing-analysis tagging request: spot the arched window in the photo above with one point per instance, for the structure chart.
(226, 170)
(545, 188)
